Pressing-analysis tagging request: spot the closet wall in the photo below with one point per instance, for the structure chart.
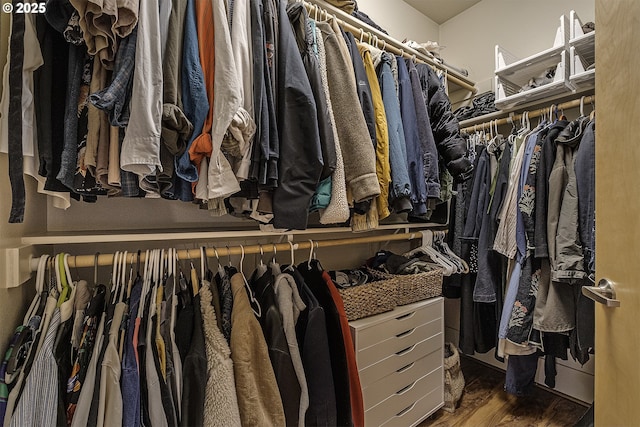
(401, 20)
(521, 27)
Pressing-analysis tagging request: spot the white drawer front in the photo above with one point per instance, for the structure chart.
(402, 400)
(395, 361)
(396, 343)
(396, 325)
(389, 385)
(416, 412)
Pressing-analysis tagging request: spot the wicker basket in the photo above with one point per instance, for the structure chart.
(413, 287)
(369, 299)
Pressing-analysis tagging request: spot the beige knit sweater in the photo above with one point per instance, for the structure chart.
(221, 403)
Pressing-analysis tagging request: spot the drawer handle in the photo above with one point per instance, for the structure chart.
(405, 333)
(406, 316)
(405, 350)
(407, 409)
(406, 389)
(406, 368)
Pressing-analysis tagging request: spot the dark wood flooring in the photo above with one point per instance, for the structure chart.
(484, 403)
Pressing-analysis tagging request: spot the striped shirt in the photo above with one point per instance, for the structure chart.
(40, 396)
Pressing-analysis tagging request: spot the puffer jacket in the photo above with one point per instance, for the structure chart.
(446, 131)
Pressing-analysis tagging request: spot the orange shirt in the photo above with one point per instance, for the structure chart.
(202, 145)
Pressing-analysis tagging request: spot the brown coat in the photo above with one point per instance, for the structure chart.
(256, 386)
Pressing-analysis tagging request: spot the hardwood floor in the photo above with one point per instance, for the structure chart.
(484, 403)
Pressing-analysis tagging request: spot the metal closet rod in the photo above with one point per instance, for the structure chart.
(375, 37)
(80, 261)
(531, 114)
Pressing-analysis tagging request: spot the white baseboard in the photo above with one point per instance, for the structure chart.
(572, 380)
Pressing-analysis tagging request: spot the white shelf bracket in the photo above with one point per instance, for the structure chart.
(16, 264)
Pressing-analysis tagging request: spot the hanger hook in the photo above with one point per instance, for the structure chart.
(215, 251)
(95, 268)
(361, 35)
(292, 253)
(582, 105)
(241, 257)
(275, 252)
(228, 255)
(384, 44)
(310, 253)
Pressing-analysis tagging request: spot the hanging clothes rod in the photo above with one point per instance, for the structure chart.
(81, 261)
(535, 113)
(382, 41)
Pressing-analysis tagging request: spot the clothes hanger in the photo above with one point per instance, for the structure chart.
(426, 248)
(146, 279)
(273, 265)
(114, 280)
(195, 285)
(64, 276)
(275, 252)
(130, 284)
(261, 255)
(228, 256)
(261, 267)
(310, 254)
(255, 305)
(292, 253)
(153, 283)
(117, 278)
(125, 285)
(39, 285)
(443, 247)
(203, 262)
(582, 106)
(220, 267)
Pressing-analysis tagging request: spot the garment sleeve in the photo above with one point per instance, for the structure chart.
(446, 131)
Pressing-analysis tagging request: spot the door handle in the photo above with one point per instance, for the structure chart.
(603, 293)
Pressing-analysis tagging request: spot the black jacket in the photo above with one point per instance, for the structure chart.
(311, 330)
(266, 148)
(300, 163)
(194, 372)
(312, 275)
(271, 323)
(304, 37)
(446, 131)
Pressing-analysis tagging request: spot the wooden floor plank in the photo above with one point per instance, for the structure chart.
(485, 403)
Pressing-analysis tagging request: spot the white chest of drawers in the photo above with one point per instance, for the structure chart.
(400, 357)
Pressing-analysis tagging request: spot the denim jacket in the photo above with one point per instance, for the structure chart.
(412, 139)
(400, 189)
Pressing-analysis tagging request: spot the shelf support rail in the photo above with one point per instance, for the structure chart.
(511, 118)
(85, 261)
(19, 262)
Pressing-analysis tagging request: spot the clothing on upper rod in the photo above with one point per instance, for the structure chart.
(217, 129)
(552, 110)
